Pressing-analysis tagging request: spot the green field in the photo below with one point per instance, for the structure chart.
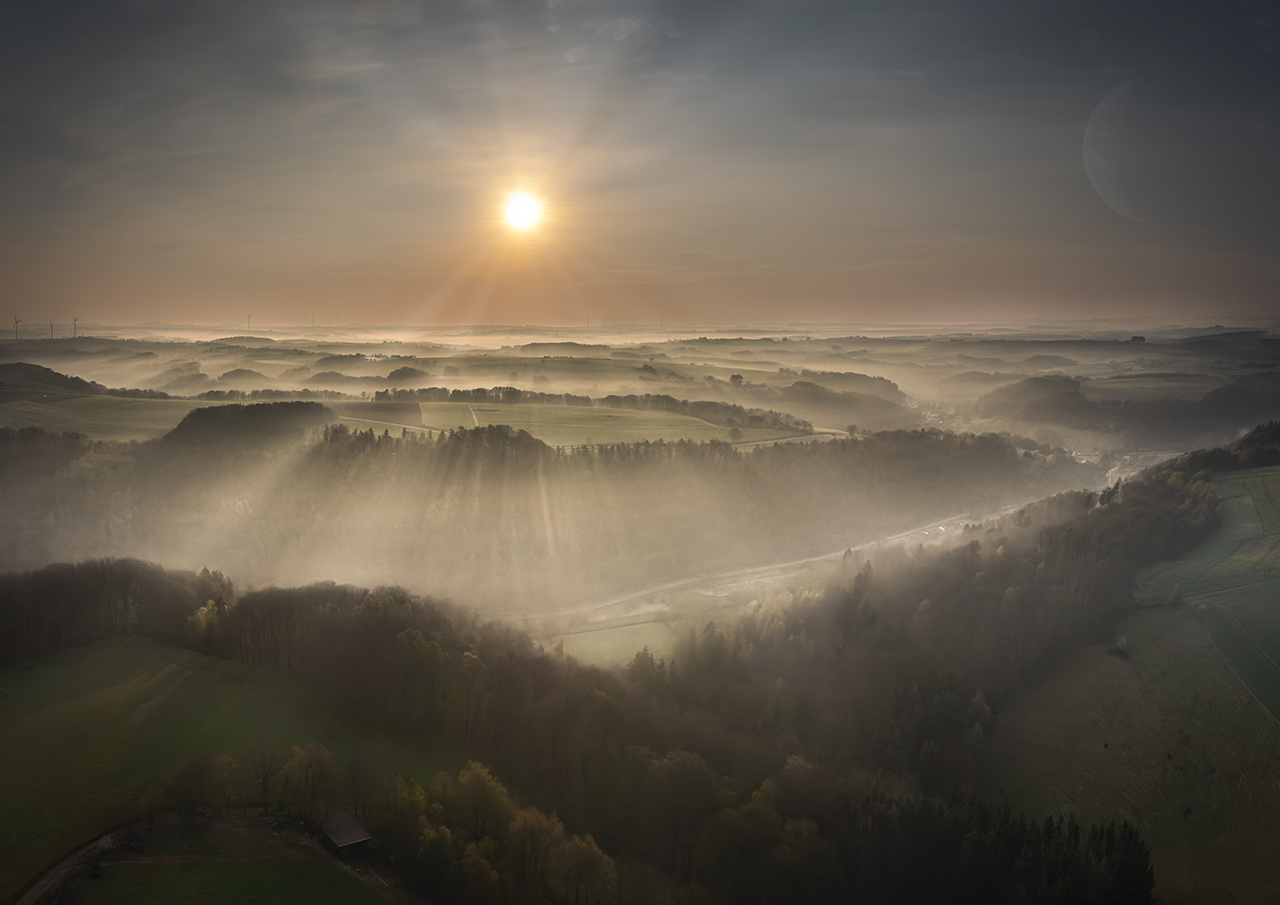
(616, 645)
(228, 859)
(1150, 387)
(100, 724)
(1166, 738)
(571, 425)
(99, 417)
(1233, 581)
(278, 880)
(1182, 736)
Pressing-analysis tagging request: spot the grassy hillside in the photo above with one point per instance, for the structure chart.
(210, 862)
(99, 417)
(100, 724)
(1233, 581)
(1169, 736)
(560, 425)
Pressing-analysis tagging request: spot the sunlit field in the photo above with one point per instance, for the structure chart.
(575, 426)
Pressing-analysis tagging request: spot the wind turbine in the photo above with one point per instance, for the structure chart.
(15, 327)
(51, 329)
(74, 322)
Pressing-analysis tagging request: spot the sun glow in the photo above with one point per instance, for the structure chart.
(522, 211)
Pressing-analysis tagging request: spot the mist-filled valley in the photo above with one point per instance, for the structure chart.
(596, 617)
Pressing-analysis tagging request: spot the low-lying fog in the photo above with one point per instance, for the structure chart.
(825, 440)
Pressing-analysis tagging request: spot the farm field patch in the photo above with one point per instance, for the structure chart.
(567, 425)
(1233, 581)
(1150, 387)
(616, 645)
(1182, 736)
(102, 723)
(232, 858)
(275, 881)
(1166, 738)
(99, 417)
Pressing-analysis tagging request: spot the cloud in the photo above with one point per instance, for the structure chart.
(212, 134)
(624, 28)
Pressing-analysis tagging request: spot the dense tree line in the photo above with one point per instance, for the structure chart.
(268, 395)
(724, 413)
(65, 605)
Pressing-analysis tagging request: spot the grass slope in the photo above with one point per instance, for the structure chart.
(1233, 581)
(99, 417)
(231, 859)
(567, 425)
(269, 882)
(89, 730)
(1168, 739)
(1182, 736)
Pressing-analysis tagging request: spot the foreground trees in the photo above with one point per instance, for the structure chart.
(781, 755)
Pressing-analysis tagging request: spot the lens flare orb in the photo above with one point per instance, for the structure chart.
(522, 211)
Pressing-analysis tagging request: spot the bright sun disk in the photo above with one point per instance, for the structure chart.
(522, 211)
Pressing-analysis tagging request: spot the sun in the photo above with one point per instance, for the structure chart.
(522, 211)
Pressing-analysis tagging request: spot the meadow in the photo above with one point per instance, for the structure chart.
(99, 417)
(1233, 581)
(565, 425)
(1180, 735)
(225, 859)
(100, 724)
(1150, 387)
(1166, 738)
(281, 880)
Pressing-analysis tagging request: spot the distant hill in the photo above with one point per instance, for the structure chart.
(856, 383)
(1059, 400)
(833, 408)
(20, 375)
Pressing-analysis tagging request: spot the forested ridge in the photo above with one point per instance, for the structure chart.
(725, 413)
(813, 749)
(489, 514)
(1061, 400)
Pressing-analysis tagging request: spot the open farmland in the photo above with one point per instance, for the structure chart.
(229, 859)
(1233, 581)
(566, 425)
(1150, 387)
(99, 417)
(280, 881)
(100, 724)
(1168, 737)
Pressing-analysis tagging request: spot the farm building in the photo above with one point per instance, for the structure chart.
(341, 828)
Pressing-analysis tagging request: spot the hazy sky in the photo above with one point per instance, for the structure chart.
(193, 161)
